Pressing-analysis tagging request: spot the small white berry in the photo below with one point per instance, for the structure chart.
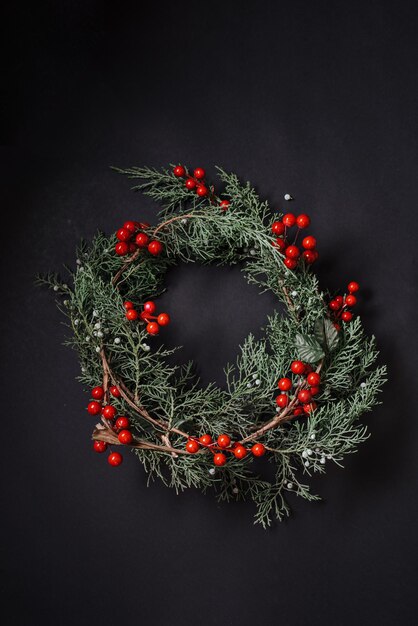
(99, 334)
(87, 338)
(212, 471)
(278, 409)
(76, 322)
(323, 460)
(64, 286)
(116, 340)
(183, 221)
(305, 454)
(66, 302)
(253, 252)
(287, 196)
(306, 463)
(329, 456)
(97, 348)
(97, 325)
(56, 287)
(78, 261)
(94, 333)
(83, 369)
(255, 376)
(258, 382)
(294, 294)
(95, 313)
(146, 347)
(309, 452)
(363, 385)
(81, 268)
(313, 437)
(289, 485)
(248, 385)
(235, 490)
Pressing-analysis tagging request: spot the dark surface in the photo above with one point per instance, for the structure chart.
(315, 99)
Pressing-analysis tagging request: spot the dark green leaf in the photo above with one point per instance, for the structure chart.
(326, 333)
(308, 348)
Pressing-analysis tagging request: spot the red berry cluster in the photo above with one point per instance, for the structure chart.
(131, 237)
(291, 251)
(119, 423)
(222, 445)
(340, 304)
(196, 182)
(306, 389)
(153, 328)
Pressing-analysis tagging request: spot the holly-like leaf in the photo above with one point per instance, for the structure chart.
(326, 333)
(309, 349)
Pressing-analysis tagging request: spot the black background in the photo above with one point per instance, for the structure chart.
(318, 99)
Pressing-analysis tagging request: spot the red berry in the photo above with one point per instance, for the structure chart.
(128, 305)
(192, 446)
(114, 391)
(132, 248)
(279, 243)
(131, 226)
(350, 300)
(179, 171)
(97, 393)
(334, 305)
(337, 326)
(314, 391)
(125, 436)
(289, 220)
(206, 440)
(298, 411)
(340, 300)
(219, 459)
(123, 234)
(225, 205)
(163, 319)
(144, 316)
(202, 190)
(199, 173)
(290, 263)
(310, 256)
(153, 328)
(190, 183)
(149, 307)
(94, 407)
(313, 379)
(131, 315)
(308, 408)
(155, 247)
(297, 367)
(304, 396)
(240, 452)
(122, 422)
(284, 384)
(224, 441)
(303, 221)
(99, 446)
(277, 228)
(122, 248)
(308, 368)
(258, 449)
(109, 412)
(292, 252)
(309, 243)
(115, 459)
(353, 287)
(142, 240)
(282, 400)
(347, 316)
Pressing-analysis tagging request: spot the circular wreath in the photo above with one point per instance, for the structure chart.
(294, 396)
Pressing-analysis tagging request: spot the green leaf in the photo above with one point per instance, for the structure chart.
(326, 333)
(308, 348)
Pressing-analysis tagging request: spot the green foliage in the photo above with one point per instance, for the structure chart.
(200, 232)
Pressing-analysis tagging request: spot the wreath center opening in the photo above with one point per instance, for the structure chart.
(213, 309)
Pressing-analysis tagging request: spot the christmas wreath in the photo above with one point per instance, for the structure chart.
(293, 397)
